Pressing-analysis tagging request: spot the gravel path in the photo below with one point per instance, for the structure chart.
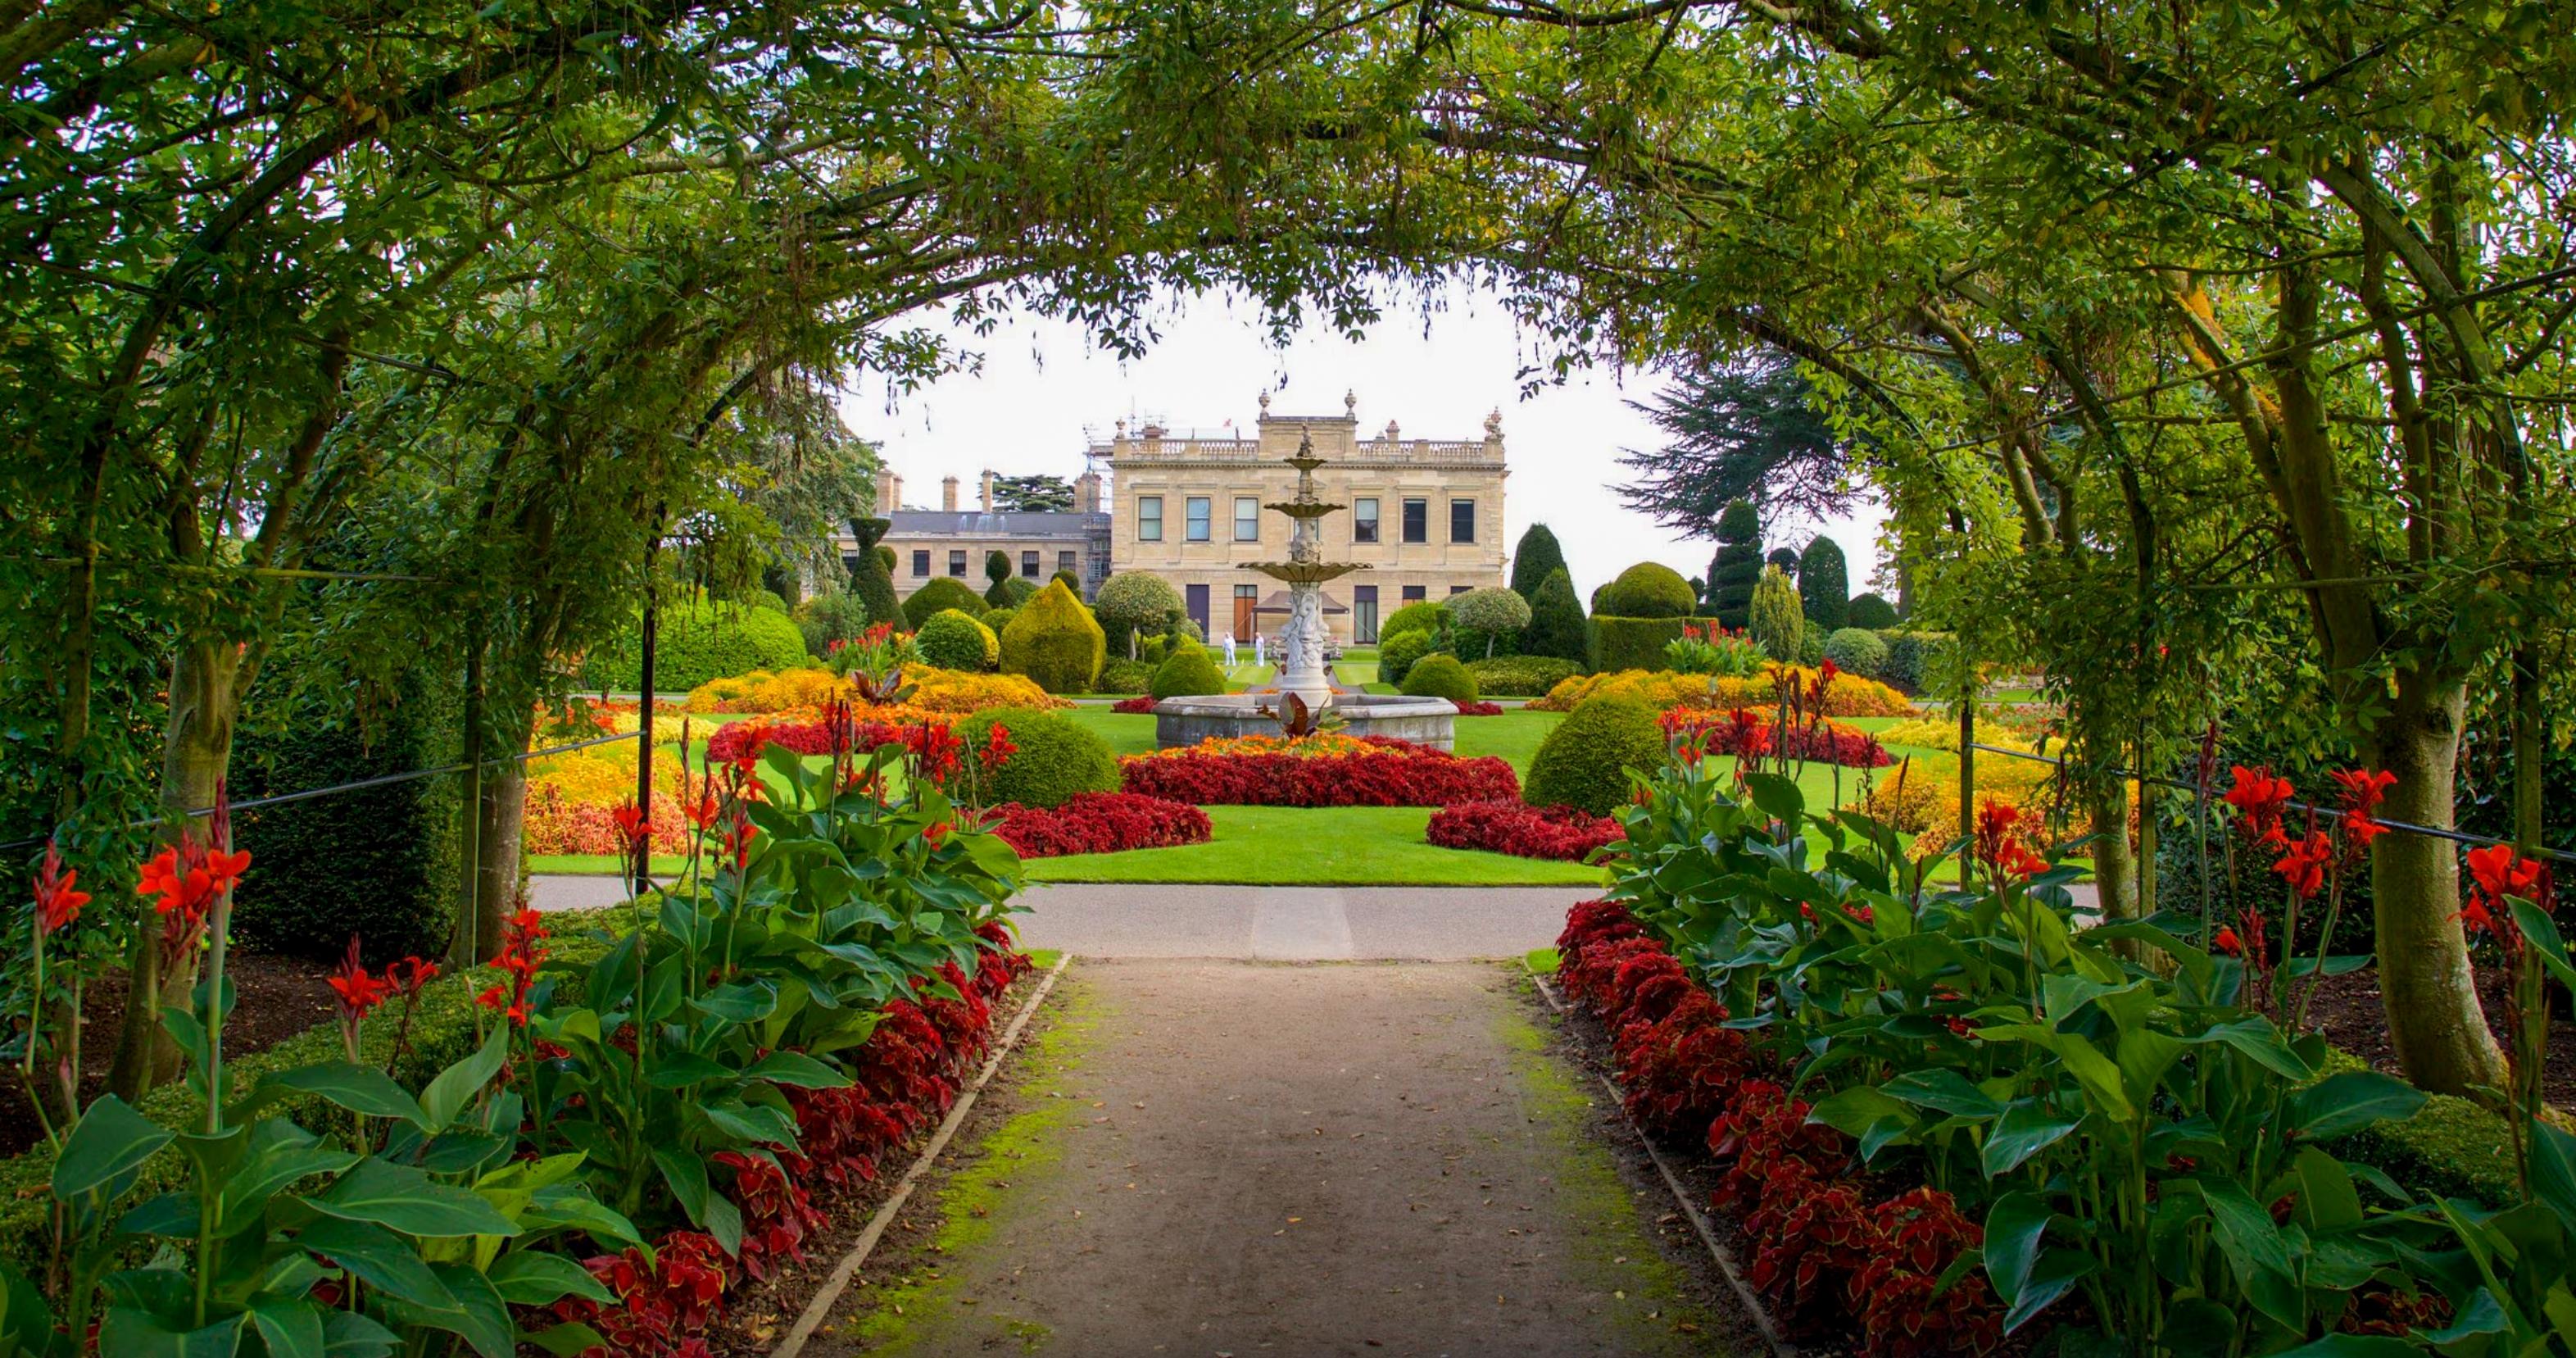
(1240, 1158)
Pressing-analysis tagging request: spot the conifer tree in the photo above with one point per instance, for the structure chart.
(1537, 557)
(1737, 566)
(1824, 585)
(1556, 626)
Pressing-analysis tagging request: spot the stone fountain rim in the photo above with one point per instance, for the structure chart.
(1367, 705)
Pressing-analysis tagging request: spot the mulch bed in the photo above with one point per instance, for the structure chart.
(2355, 1019)
(279, 998)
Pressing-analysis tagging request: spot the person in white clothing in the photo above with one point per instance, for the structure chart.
(1258, 641)
(1229, 650)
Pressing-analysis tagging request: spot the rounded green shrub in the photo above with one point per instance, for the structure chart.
(1648, 589)
(1811, 646)
(939, 595)
(1486, 617)
(1915, 660)
(1521, 676)
(1633, 643)
(697, 641)
(1398, 654)
(954, 640)
(1055, 641)
(1017, 590)
(1585, 761)
(1189, 673)
(1422, 615)
(1055, 759)
(1858, 651)
(1871, 611)
(1440, 676)
(1132, 603)
(1123, 676)
(1000, 618)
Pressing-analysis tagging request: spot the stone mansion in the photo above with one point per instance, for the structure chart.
(1426, 515)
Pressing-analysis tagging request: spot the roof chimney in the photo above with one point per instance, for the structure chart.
(889, 491)
(988, 490)
(948, 493)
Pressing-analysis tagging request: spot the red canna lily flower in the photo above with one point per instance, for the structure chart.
(57, 904)
(634, 825)
(2500, 872)
(2362, 791)
(998, 747)
(359, 992)
(2259, 798)
(937, 833)
(1995, 822)
(2227, 942)
(2304, 866)
(702, 813)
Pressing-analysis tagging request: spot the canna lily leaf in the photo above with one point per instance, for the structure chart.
(2025, 1129)
(2253, 1245)
(479, 1316)
(457, 1085)
(408, 1200)
(569, 1341)
(377, 1257)
(536, 1278)
(2347, 1101)
(2355, 1346)
(797, 1069)
(2540, 934)
(291, 1327)
(347, 1334)
(680, 1069)
(1945, 1091)
(110, 1141)
(130, 1333)
(360, 1089)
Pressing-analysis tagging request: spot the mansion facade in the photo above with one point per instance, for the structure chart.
(1425, 515)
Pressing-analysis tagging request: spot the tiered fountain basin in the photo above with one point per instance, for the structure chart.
(1424, 721)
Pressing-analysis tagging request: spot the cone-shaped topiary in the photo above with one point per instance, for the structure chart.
(1737, 567)
(1585, 761)
(1556, 626)
(942, 593)
(1778, 622)
(1537, 557)
(1824, 586)
(1440, 676)
(1055, 641)
(1188, 673)
(955, 640)
(1055, 758)
(1871, 611)
(1648, 589)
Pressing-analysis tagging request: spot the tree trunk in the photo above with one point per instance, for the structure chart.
(499, 825)
(2115, 864)
(197, 748)
(2443, 1043)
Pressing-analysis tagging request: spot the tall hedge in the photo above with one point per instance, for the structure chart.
(1556, 626)
(872, 571)
(384, 863)
(938, 595)
(1648, 589)
(1536, 558)
(1737, 567)
(1871, 611)
(1778, 622)
(1055, 641)
(1824, 585)
(696, 641)
(1632, 643)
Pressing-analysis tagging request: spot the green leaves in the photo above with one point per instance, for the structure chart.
(407, 1200)
(110, 1142)
(2347, 1101)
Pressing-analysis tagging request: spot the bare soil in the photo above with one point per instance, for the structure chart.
(278, 997)
(2356, 1020)
(1254, 1158)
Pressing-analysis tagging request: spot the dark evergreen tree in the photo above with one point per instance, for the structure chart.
(1737, 566)
(1745, 432)
(1824, 585)
(869, 577)
(997, 577)
(1536, 558)
(1037, 494)
(1786, 560)
(1556, 626)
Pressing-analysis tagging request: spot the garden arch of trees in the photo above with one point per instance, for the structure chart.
(2224, 343)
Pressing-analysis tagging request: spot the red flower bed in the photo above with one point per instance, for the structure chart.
(1388, 773)
(1827, 1255)
(1100, 822)
(1143, 702)
(905, 1074)
(1527, 831)
(733, 740)
(1479, 709)
(1744, 730)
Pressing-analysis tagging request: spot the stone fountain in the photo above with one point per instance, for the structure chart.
(1187, 721)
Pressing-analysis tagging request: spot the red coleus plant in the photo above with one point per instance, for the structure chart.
(1526, 831)
(1141, 703)
(1100, 822)
(1389, 773)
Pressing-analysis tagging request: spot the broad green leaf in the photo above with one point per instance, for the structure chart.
(2326, 1200)
(377, 1257)
(2251, 1241)
(479, 1316)
(360, 1089)
(535, 1278)
(407, 1200)
(2015, 1226)
(2540, 935)
(680, 1069)
(458, 1085)
(290, 1326)
(347, 1334)
(249, 1187)
(687, 1176)
(129, 1333)
(740, 1002)
(2354, 1346)
(1943, 1090)
(797, 1069)
(2347, 1101)
(2024, 1130)
(569, 1341)
(563, 1206)
(110, 1141)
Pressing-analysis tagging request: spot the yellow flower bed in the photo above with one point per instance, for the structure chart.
(601, 775)
(1921, 795)
(1942, 733)
(1850, 695)
(1307, 747)
(805, 691)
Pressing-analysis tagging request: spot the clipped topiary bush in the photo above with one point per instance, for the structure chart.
(1055, 641)
(1737, 564)
(1824, 585)
(1121, 675)
(1134, 602)
(1189, 673)
(871, 571)
(697, 641)
(1622, 643)
(954, 640)
(1648, 589)
(1557, 626)
(1484, 617)
(1422, 615)
(1536, 558)
(1858, 651)
(1779, 622)
(1520, 676)
(1441, 676)
(1912, 657)
(1017, 590)
(1872, 612)
(940, 595)
(1397, 655)
(1000, 618)
(1584, 762)
(1055, 759)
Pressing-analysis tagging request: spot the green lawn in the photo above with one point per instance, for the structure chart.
(1315, 846)
(1514, 735)
(1126, 732)
(1358, 673)
(1242, 677)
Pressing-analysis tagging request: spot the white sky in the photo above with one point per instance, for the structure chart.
(1044, 390)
